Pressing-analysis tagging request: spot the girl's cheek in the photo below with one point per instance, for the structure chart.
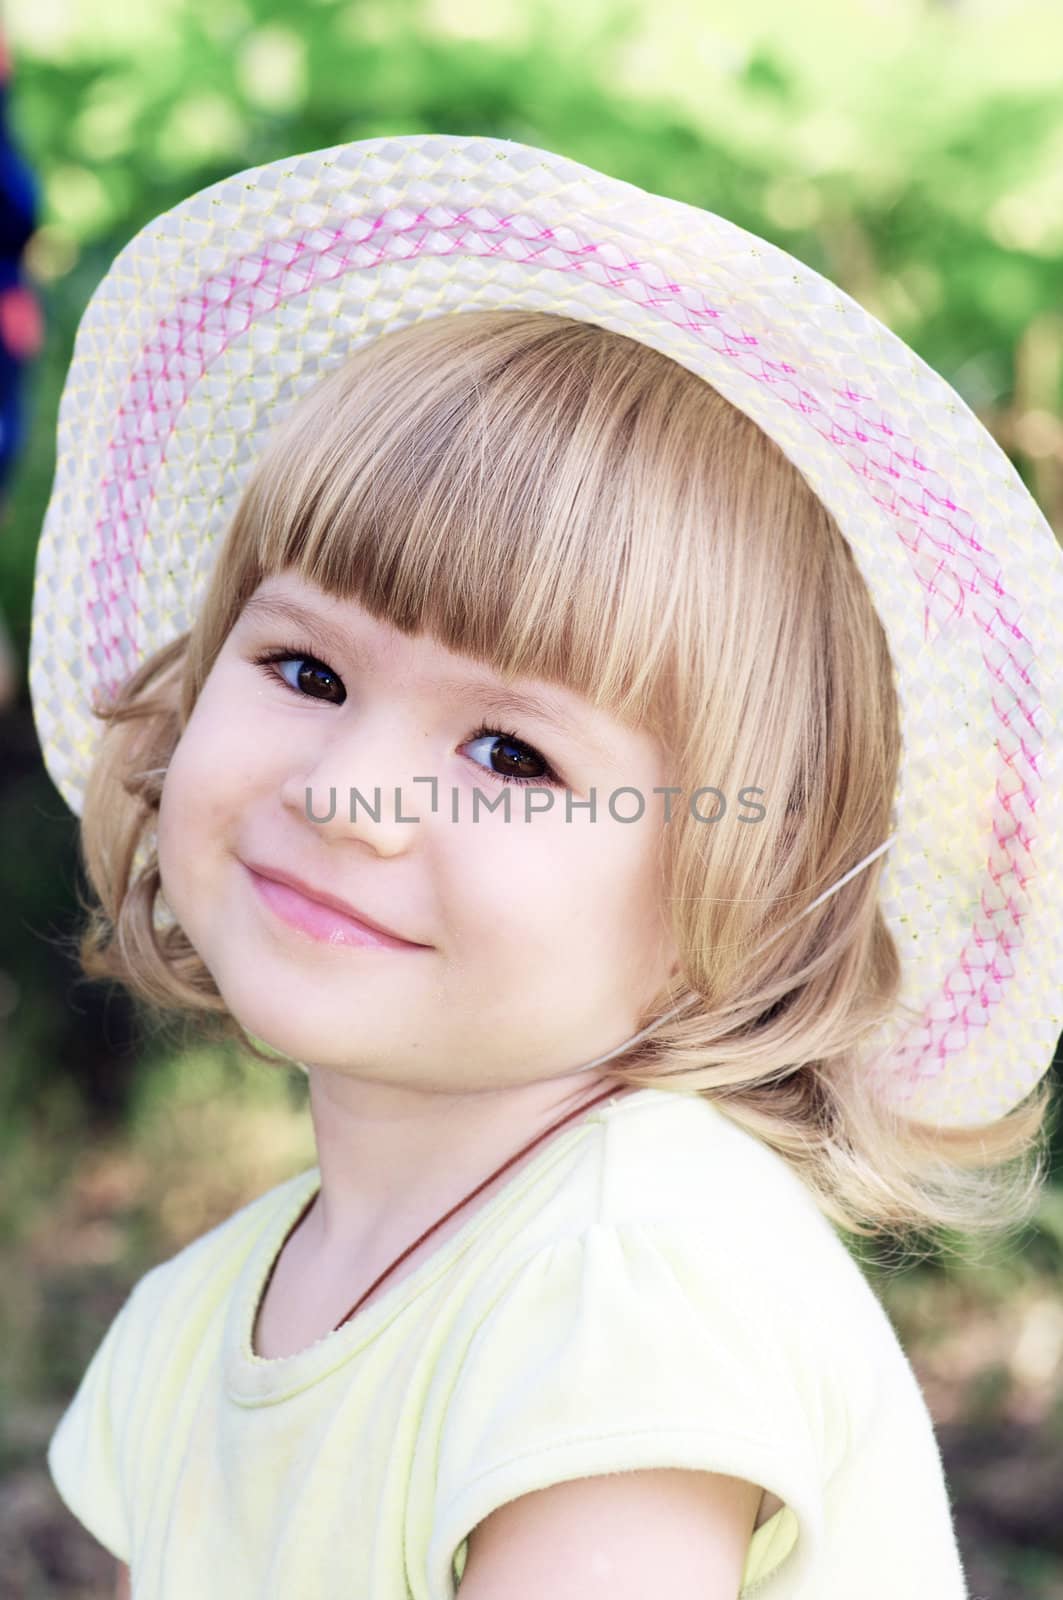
(186, 788)
(171, 813)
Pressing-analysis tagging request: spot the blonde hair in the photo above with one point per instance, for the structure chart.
(457, 476)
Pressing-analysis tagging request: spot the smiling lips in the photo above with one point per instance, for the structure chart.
(323, 917)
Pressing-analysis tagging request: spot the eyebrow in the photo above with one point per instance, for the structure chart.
(495, 698)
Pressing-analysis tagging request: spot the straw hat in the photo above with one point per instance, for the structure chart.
(222, 312)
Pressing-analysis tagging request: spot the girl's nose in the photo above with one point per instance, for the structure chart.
(359, 784)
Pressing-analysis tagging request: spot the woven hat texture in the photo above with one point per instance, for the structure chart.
(221, 313)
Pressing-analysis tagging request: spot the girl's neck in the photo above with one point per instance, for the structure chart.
(394, 1159)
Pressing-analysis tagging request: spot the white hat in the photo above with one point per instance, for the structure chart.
(221, 313)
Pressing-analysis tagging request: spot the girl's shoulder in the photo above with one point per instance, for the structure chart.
(107, 1439)
(682, 1184)
(669, 1154)
(677, 1165)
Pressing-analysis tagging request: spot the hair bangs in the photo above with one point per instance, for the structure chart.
(497, 508)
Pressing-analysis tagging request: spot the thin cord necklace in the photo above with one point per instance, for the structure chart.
(586, 1106)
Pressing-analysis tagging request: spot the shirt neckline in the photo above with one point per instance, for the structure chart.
(251, 1379)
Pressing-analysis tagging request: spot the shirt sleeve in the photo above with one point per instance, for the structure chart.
(89, 1454)
(627, 1347)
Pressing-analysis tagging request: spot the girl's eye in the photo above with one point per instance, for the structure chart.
(500, 747)
(311, 676)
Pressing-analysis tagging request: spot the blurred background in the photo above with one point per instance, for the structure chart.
(911, 150)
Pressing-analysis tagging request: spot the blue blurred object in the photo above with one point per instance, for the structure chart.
(20, 321)
(20, 315)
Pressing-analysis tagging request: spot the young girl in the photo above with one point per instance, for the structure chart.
(502, 665)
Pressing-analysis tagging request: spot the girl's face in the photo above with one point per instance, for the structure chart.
(535, 943)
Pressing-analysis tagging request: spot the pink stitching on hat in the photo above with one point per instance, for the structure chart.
(202, 323)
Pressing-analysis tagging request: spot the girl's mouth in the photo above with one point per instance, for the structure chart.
(321, 922)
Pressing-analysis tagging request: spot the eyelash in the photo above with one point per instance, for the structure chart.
(549, 780)
(269, 660)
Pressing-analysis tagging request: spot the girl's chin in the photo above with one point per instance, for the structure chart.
(318, 1046)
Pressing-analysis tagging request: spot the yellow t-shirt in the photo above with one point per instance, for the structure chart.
(655, 1288)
